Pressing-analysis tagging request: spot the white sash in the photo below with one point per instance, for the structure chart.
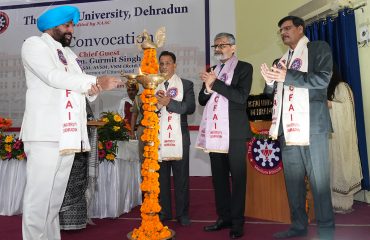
(213, 133)
(170, 135)
(295, 102)
(74, 136)
(73, 128)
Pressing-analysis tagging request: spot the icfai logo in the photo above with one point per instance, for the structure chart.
(172, 92)
(265, 156)
(4, 22)
(296, 64)
(224, 77)
(61, 57)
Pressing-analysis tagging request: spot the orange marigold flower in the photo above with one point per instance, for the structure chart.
(9, 139)
(110, 157)
(149, 61)
(106, 120)
(8, 147)
(117, 118)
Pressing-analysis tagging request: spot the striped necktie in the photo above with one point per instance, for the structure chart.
(289, 58)
(222, 66)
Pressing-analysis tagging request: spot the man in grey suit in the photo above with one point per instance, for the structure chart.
(301, 121)
(176, 95)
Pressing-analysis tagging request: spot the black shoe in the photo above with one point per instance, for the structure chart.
(234, 234)
(220, 224)
(184, 220)
(290, 234)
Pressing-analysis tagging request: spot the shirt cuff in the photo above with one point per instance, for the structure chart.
(89, 81)
(91, 98)
(270, 83)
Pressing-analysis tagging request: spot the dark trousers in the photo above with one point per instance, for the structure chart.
(312, 161)
(180, 170)
(230, 203)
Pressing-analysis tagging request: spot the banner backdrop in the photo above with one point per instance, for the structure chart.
(104, 40)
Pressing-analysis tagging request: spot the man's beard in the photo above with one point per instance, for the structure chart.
(59, 36)
(220, 56)
(66, 42)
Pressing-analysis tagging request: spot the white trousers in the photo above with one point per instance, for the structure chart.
(47, 178)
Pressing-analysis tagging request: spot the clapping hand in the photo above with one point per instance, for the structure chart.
(208, 78)
(273, 74)
(163, 100)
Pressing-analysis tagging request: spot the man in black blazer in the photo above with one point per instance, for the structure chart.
(180, 166)
(230, 203)
(309, 159)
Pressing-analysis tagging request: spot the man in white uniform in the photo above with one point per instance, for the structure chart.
(54, 123)
(126, 103)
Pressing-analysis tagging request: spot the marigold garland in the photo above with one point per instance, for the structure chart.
(151, 227)
(149, 64)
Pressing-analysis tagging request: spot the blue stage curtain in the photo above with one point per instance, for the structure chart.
(340, 33)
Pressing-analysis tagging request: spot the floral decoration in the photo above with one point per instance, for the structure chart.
(149, 64)
(115, 129)
(151, 227)
(5, 123)
(10, 146)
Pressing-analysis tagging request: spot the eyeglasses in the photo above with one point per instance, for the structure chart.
(286, 28)
(221, 46)
(165, 63)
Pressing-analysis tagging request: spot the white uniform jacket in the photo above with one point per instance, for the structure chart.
(121, 108)
(50, 69)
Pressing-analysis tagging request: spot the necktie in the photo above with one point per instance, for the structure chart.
(166, 84)
(222, 66)
(289, 58)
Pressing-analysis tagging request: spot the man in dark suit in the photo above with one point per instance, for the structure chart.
(299, 83)
(224, 131)
(176, 95)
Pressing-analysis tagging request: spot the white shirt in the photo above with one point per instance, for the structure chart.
(121, 108)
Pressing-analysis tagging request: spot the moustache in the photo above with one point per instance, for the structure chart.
(68, 34)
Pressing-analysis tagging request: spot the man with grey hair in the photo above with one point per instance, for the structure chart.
(224, 131)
